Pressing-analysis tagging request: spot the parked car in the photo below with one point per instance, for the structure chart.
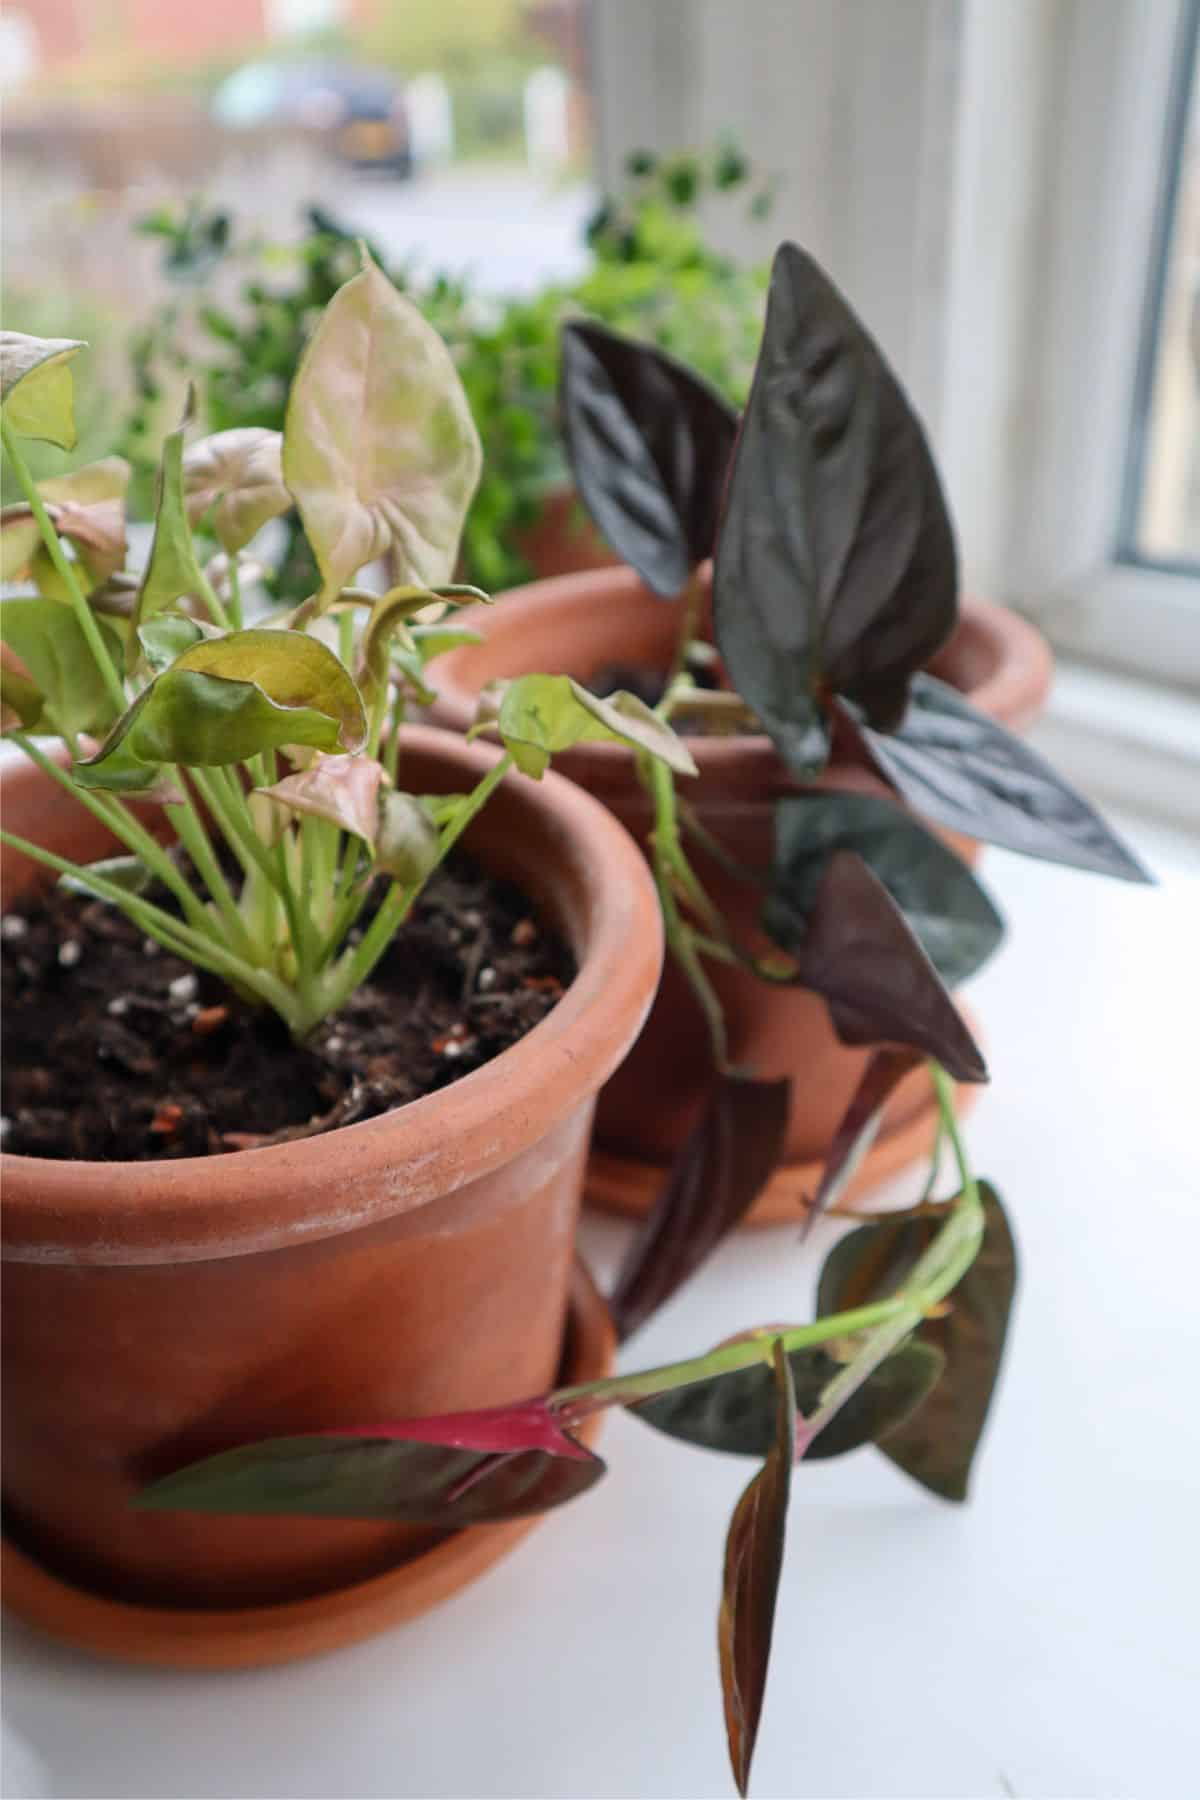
(360, 111)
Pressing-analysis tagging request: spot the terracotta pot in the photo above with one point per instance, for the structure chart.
(579, 624)
(418, 1262)
(562, 540)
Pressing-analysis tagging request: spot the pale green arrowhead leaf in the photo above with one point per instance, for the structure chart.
(539, 715)
(239, 474)
(379, 448)
(173, 570)
(36, 386)
(49, 642)
(407, 844)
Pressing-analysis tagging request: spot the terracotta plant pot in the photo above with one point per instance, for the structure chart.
(562, 540)
(580, 624)
(418, 1262)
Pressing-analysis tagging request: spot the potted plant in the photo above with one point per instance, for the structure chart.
(835, 699)
(297, 1100)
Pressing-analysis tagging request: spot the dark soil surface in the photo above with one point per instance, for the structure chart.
(115, 1050)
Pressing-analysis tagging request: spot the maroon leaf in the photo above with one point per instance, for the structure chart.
(717, 1175)
(859, 952)
(452, 1469)
(753, 1561)
(853, 1138)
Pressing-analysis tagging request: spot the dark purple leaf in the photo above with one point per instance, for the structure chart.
(452, 1469)
(736, 1412)
(649, 444)
(835, 566)
(937, 1445)
(963, 770)
(753, 1562)
(860, 954)
(950, 915)
(717, 1175)
(854, 1136)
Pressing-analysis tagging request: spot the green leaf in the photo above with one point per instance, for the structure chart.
(963, 770)
(835, 566)
(344, 790)
(380, 452)
(753, 1564)
(937, 1445)
(173, 571)
(239, 474)
(37, 388)
(226, 699)
(49, 641)
(436, 640)
(736, 1412)
(953, 920)
(167, 636)
(127, 872)
(21, 703)
(540, 715)
(407, 844)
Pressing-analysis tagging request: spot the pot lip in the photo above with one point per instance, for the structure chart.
(142, 1212)
(1013, 691)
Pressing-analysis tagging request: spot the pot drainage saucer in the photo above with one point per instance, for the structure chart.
(627, 1185)
(250, 1636)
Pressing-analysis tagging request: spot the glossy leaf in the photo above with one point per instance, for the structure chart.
(453, 1470)
(857, 950)
(858, 1126)
(649, 445)
(37, 388)
(937, 1445)
(343, 790)
(952, 917)
(736, 1412)
(835, 566)
(718, 1173)
(379, 449)
(226, 699)
(57, 659)
(86, 506)
(167, 636)
(961, 769)
(753, 1564)
(539, 715)
(239, 475)
(173, 572)
(407, 842)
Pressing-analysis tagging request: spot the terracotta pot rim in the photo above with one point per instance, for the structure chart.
(1014, 689)
(141, 1212)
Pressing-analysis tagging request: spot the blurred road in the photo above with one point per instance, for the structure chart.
(510, 229)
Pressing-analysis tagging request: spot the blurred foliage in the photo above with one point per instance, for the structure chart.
(653, 274)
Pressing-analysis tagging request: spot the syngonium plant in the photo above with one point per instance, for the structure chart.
(835, 581)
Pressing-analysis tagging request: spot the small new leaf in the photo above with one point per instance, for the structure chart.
(407, 841)
(173, 571)
(753, 1563)
(539, 715)
(239, 474)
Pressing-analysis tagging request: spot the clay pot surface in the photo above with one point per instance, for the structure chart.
(562, 539)
(415, 1263)
(582, 623)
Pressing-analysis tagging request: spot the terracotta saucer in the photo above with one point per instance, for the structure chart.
(619, 1184)
(252, 1636)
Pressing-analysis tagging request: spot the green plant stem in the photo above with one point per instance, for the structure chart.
(355, 965)
(235, 592)
(172, 934)
(215, 607)
(681, 939)
(190, 830)
(65, 568)
(693, 594)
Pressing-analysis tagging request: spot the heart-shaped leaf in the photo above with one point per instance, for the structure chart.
(753, 1564)
(344, 790)
(379, 449)
(736, 1412)
(173, 571)
(453, 1470)
(937, 1445)
(835, 565)
(649, 445)
(716, 1176)
(239, 474)
(226, 699)
(539, 715)
(86, 506)
(36, 386)
(963, 770)
(59, 663)
(859, 1125)
(954, 921)
(858, 951)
